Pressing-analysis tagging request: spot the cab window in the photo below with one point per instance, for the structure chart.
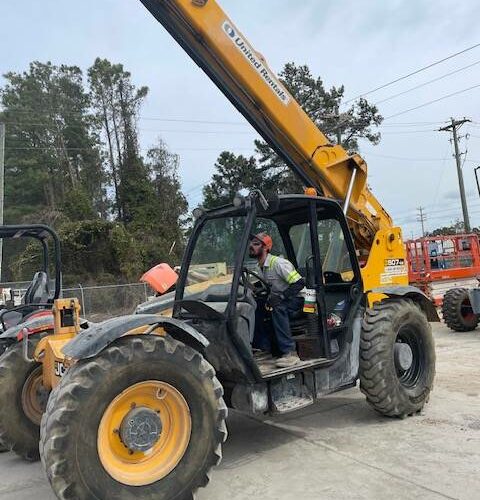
(337, 263)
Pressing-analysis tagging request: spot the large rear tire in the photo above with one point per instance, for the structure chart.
(95, 423)
(23, 400)
(457, 311)
(397, 358)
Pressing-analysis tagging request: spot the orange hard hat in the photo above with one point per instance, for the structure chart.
(265, 239)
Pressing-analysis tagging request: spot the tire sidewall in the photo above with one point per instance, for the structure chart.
(18, 431)
(452, 304)
(83, 430)
(414, 319)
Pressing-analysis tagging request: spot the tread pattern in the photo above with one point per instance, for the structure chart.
(80, 380)
(14, 371)
(378, 380)
(452, 302)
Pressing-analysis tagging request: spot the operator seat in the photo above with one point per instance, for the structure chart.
(38, 291)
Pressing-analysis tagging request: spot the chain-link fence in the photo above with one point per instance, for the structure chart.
(98, 302)
(102, 302)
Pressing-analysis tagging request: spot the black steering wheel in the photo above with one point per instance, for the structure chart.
(261, 289)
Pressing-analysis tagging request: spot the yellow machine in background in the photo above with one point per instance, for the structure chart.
(66, 314)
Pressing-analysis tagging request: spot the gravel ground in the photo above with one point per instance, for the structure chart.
(339, 448)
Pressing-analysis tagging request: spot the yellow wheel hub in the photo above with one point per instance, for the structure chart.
(144, 433)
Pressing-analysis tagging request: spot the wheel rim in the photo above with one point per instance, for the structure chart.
(466, 311)
(409, 376)
(34, 396)
(167, 443)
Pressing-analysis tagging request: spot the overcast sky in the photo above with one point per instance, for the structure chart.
(361, 44)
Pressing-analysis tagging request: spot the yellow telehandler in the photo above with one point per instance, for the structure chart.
(140, 408)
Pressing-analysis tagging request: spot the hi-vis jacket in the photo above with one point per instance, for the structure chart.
(279, 273)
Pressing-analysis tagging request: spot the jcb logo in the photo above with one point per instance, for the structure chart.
(59, 369)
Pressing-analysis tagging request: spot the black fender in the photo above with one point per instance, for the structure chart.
(413, 293)
(94, 339)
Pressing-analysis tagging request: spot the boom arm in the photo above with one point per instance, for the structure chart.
(212, 40)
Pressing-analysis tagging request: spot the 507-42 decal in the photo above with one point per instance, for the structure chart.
(394, 262)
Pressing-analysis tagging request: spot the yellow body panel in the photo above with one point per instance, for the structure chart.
(386, 264)
(387, 261)
(49, 353)
(66, 319)
(61, 308)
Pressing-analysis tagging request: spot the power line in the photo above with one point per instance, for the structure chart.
(440, 177)
(218, 132)
(401, 124)
(47, 148)
(164, 131)
(399, 79)
(47, 111)
(403, 158)
(432, 102)
(427, 83)
(402, 216)
(403, 132)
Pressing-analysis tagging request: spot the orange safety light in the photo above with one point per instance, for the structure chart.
(310, 191)
(161, 278)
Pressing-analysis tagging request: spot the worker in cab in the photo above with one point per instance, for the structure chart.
(284, 301)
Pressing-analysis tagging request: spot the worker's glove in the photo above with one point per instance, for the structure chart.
(275, 299)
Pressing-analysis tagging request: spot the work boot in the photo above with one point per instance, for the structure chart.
(288, 360)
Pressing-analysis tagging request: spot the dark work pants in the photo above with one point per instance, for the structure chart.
(281, 325)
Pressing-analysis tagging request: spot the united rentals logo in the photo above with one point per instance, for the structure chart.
(255, 61)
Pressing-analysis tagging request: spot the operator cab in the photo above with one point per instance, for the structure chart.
(218, 287)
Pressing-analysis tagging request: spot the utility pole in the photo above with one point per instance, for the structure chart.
(453, 128)
(422, 217)
(2, 183)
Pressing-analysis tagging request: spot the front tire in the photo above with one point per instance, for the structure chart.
(91, 445)
(397, 358)
(457, 311)
(23, 400)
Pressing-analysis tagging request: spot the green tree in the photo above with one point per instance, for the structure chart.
(51, 152)
(345, 127)
(116, 102)
(233, 173)
(454, 228)
(160, 229)
(268, 171)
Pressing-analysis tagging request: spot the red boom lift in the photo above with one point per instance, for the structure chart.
(437, 264)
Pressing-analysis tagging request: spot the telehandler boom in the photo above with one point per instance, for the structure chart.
(213, 41)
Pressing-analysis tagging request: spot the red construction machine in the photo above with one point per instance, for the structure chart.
(446, 268)
(437, 264)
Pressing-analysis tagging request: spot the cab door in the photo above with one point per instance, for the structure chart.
(339, 283)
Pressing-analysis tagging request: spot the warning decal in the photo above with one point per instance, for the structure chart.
(393, 268)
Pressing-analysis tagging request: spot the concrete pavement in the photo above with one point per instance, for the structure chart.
(340, 448)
